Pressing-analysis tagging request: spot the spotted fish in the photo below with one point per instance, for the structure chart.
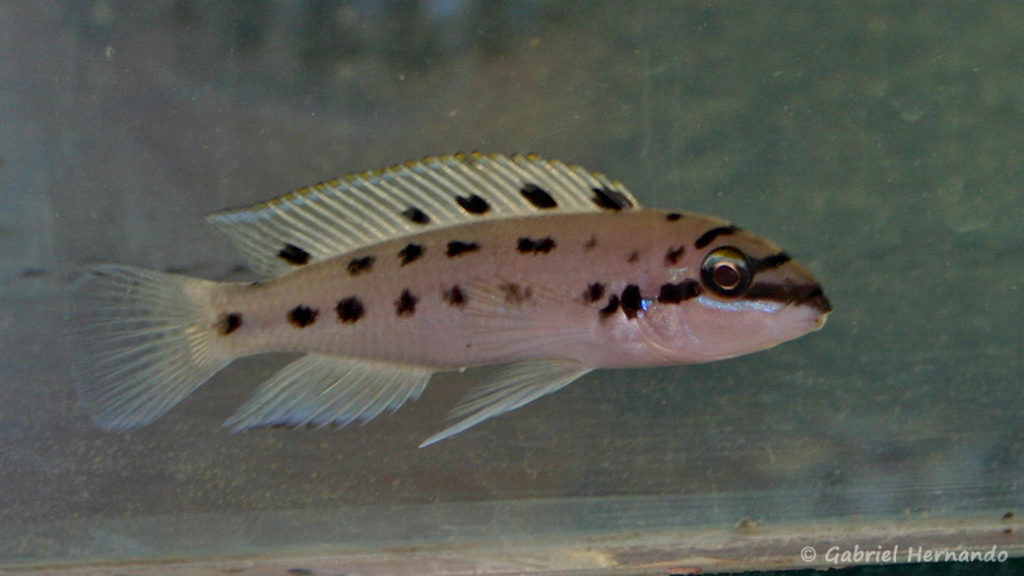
(542, 269)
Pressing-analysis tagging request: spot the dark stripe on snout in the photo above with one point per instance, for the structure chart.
(676, 293)
(709, 236)
(805, 294)
(773, 261)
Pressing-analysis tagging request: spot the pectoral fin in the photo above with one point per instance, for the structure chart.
(509, 387)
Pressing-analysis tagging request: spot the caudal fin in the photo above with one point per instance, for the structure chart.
(141, 341)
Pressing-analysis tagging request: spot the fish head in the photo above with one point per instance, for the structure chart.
(743, 294)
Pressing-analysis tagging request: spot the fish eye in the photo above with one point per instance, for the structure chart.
(726, 271)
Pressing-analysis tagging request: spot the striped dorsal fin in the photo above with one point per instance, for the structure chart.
(358, 210)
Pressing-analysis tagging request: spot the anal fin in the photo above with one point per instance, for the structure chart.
(321, 390)
(509, 387)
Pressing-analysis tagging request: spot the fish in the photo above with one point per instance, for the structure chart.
(530, 271)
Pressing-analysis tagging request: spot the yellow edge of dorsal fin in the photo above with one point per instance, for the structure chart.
(331, 218)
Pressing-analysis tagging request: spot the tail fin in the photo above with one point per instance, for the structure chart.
(141, 341)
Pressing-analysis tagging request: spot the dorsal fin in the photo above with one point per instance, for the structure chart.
(335, 217)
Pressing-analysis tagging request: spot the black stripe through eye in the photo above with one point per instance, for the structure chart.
(676, 293)
(808, 294)
(773, 261)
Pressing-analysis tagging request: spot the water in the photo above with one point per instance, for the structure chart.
(875, 142)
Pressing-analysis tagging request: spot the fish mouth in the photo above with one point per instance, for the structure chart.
(816, 299)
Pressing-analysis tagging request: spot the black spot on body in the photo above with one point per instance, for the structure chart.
(454, 296)
(609, 199)
(228, 323)
(406, 303)
(633, 257)
(473, 204)
(294, 255)
(458, 248)
(594, 292)
(709, 236)
(302, 316)
(350, 310)
(410, 253)
(612, 307)
(672, 255)
(632, 301)
(515, 294)
(673, 216)
(528, 245)
(676, 293)
(590, 244)
(416, 216)
(538, 196)
(359, 265)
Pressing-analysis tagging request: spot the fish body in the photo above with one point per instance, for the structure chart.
(545, 270)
